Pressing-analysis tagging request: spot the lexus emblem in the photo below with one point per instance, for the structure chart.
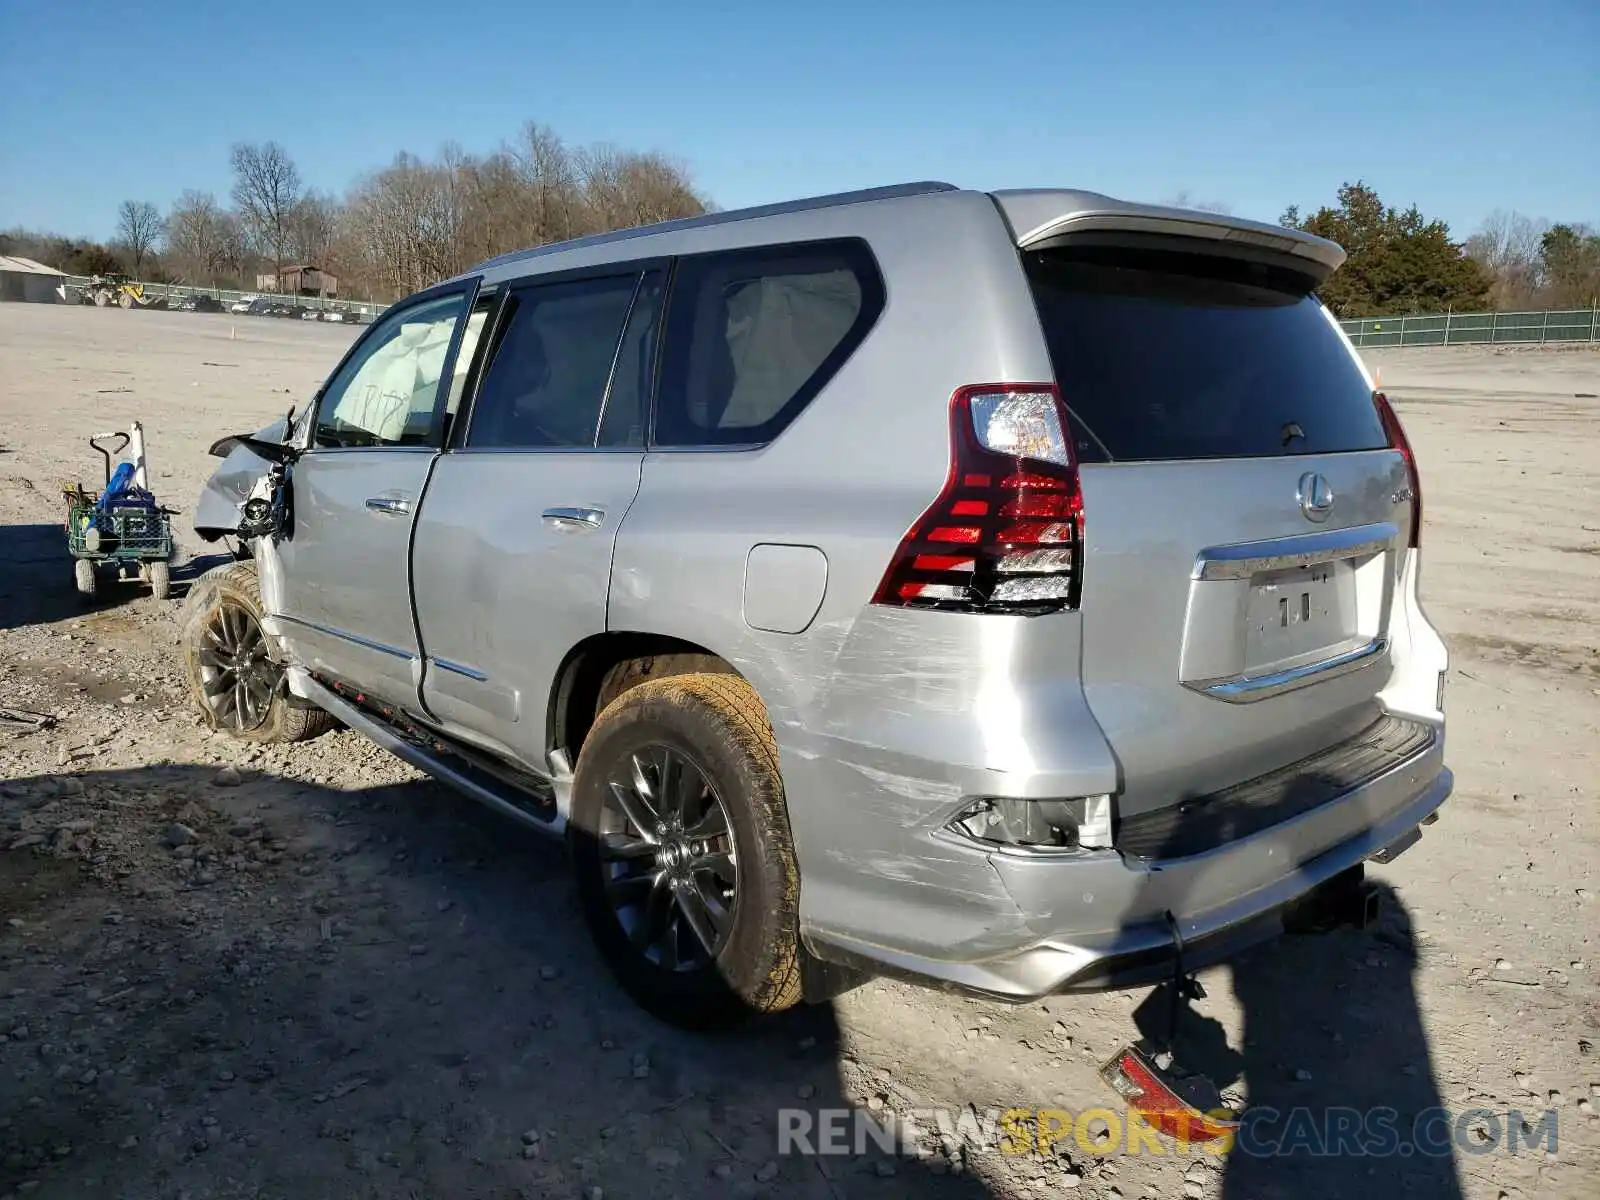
(1316, 497)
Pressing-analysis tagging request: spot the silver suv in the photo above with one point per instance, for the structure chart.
(1015, 591)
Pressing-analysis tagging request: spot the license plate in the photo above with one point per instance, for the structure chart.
(1295, 612)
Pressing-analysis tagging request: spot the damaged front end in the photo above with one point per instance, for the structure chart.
(249, 496)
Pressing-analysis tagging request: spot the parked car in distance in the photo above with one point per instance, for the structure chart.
(310, 314)
(196, 303)
(1053, 626)
(333, 314)
(244, 304)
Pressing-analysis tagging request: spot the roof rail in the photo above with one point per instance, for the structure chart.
(707, 220)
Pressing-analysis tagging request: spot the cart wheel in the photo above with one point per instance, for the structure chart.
(83, 575)
(160, 575)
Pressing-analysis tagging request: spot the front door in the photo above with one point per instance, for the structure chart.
(513, 547)
(343, 601)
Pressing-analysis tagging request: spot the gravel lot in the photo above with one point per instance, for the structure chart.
(308, 973)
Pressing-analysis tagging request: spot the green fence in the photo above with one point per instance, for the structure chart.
(1465, 329)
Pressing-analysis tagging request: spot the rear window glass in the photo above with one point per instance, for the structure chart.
(754, 335)
(1175, 356)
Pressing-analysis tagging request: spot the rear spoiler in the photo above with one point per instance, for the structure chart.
(1044, 218)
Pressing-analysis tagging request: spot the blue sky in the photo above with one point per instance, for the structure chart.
(1462, 106)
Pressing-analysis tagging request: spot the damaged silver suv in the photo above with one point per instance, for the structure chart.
(1013, 591)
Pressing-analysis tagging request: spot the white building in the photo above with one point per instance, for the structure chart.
(24, 279)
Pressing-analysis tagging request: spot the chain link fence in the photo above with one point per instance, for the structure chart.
(1466, 329)
(173, 293)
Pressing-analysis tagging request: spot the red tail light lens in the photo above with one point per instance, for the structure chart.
(1398, 439)
(1006, 533)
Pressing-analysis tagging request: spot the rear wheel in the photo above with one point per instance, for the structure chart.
(83, 575)
(234, 682)
(686, 868)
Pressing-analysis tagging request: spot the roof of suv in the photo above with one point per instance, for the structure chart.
(1036, 216)
(706, 220)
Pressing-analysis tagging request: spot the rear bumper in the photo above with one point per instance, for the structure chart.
(1098, 920)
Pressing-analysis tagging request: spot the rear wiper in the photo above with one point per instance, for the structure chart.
(1289, 432)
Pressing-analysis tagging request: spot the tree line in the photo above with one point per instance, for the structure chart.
(395, 230)
(1400, 262)
(418, 220)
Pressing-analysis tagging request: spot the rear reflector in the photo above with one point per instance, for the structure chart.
(1006, 532)
(1398, 439)
(1144, 1086)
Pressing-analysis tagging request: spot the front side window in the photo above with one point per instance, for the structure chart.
(547, 374)
(754, 335)
(385, 393)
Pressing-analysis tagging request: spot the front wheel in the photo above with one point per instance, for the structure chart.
(83, 575)
(686, 867)
(234, 682)
(160, 578)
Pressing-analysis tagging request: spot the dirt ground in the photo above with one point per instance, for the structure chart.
(308, 972)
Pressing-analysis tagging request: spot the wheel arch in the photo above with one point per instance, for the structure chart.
(575, 697)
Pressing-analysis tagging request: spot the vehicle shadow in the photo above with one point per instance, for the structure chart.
(1333, 1062)
(35, 576)
(379, 992)
(36, 583)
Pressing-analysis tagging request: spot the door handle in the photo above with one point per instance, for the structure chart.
(574, 518)
(389, 505)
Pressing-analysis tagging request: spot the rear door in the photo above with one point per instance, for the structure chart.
(343, 599)
(512, 559)
(1244, 516)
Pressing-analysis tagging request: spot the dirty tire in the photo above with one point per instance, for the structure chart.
(717, 721)
(83, 575)
(159, 575)
(631, 672)
(236, 584)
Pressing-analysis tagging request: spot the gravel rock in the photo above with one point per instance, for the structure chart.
(228, 777)
(178, 834)
(663, 1158)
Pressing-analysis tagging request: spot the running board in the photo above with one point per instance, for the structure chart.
(451, 767)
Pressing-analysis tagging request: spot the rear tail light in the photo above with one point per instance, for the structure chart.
(1398, 439)
(1006, 533)
(1156, 1097)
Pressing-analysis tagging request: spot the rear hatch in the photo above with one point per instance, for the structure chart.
(1244, 514)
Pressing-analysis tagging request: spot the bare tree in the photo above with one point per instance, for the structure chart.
(310, 228)
(1508, 247)
(266, 188)
(138, 228)
(1183, 198)
(195, 234)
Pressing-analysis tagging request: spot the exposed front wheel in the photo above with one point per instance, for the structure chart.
(234, 682)
(686, 867)
(160, 578)
(83, 575)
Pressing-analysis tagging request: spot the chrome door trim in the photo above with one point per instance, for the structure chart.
(355, 639)
(1301, 550)
(462, 669)
(388, 505)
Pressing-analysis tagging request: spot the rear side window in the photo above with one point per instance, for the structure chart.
(754, 335)
(1162, 355)
(547, 375)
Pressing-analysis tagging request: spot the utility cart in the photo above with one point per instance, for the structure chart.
(122, 526)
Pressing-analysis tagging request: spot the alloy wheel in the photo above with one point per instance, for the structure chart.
(668, 859)
(238, 678)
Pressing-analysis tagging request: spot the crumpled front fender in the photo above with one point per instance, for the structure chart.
(217, 513)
